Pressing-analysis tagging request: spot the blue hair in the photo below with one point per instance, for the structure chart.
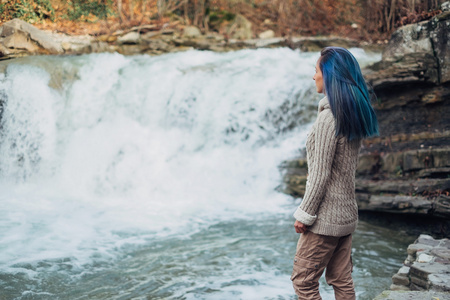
(347, 94)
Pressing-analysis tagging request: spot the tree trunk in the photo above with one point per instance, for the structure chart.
(186, 12)
(119, 10)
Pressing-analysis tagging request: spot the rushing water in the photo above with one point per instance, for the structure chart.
(154, 177)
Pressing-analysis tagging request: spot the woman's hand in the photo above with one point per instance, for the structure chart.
(300, 227)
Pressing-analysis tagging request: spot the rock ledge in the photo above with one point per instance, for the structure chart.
(425, 273)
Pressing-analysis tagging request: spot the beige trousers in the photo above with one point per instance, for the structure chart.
(315, 253)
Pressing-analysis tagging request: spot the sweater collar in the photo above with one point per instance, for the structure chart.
(324, 104)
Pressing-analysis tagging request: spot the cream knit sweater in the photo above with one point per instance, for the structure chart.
(329, 206)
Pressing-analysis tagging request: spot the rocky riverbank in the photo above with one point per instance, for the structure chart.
(18, 38)
(425, 273)
(407, 168)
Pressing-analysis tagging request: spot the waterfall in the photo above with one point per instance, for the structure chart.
(101, 151)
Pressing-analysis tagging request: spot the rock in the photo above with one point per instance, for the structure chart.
(81, 44)
(440, 282)
(403, 271)
(445, 6)
(441, 253)
(268, 34)
(318, 43)
(395, 287)
(401, 190)
(241, 28)
(400, 280)
(409, 39)
(21, 42)
(396, 204)
(191, 32)
(417, 247)
(423, 269)
(66, 46)
(368, 164)
(129, 49)
(99, 47)
(3, 51)
(440, 36)
(265, 43)
(157, 44)
(426, 239)
(131, 38)
(416, 53)
(427, 271)
(410, 295)
(18, 35)
(215, 37)
(424, 258)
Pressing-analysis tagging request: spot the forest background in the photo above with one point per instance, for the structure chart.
(369, 20)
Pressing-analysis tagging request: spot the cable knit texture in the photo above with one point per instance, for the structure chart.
(329, 205)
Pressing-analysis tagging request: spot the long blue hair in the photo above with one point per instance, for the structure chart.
(347, 94)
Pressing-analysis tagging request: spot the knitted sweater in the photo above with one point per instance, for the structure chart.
(329, 206)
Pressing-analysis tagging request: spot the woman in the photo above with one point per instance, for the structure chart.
(328, 214)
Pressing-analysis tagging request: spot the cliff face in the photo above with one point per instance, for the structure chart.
(407, 168)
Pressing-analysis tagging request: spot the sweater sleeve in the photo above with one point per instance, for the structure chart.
(319, 173)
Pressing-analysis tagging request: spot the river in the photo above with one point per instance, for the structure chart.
(155, 177)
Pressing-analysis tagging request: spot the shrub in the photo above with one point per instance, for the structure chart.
(83, 8)
(27, 10)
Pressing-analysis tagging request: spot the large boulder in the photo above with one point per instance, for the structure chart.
(18, 36)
